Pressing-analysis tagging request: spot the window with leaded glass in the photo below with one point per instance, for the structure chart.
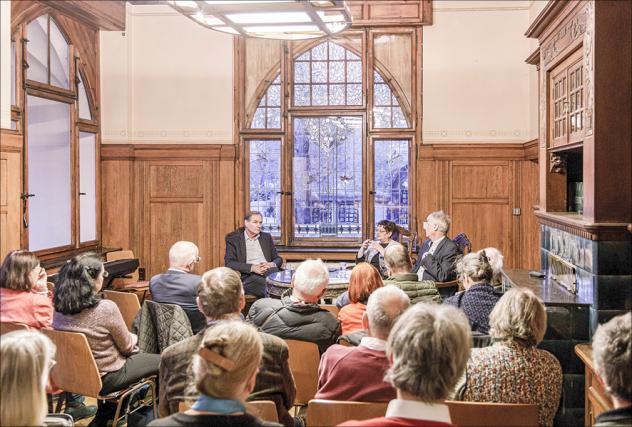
(84, 104)
(328, 75)
(47, 53)
(327, 177)
(387, 112)
(390, 163)
(268, 113)
(265, 182)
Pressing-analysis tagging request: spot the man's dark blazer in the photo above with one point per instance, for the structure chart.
(180, 288)
(235, 256)
(440, 266)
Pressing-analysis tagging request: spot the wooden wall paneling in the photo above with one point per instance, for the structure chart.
(224, 205)
(403, 12)
(10, 188)
(117, 188)
(529, 233)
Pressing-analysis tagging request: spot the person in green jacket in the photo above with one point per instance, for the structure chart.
(398, 264)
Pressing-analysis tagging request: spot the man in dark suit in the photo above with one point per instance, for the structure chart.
(251, 252)
(221, 298)
(178, 285)
(437, 258)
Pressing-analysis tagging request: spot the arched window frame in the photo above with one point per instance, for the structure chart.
(412, 134)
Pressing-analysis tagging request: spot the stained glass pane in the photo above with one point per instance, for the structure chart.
(391, 181)
(59, 58)
(352, 56)
(259, 120)
(319, 53)
(319, 72)
(307, 56)
(387, 112)
(327, 177)
(336, 52)
(268, 113)
(274, 118)
(37, 49)
(399, 120)
(274, 96)
(301, 72)
(354, 94)
(301, 95)
(336, 72)
(382, 117)
(84, 105)
(265, 182)
(382, 95)
(337, 95)
(319, 94)
(354, 72)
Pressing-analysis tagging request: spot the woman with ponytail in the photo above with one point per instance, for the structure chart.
(224, 372)
(79, 308)
(479, 298)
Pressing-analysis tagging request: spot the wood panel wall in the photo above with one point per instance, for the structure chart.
(154, 195)
(10, 189)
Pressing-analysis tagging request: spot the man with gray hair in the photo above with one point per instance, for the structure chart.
(178, 285)
(612, 355)
(220, 298)
(297, 315)
(438, 253)
(428, 348)
(356, 373)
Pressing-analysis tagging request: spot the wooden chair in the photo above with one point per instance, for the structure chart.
(304, 359)
(332, 308)
(263, 409)
(6, 327)
(127, 303)
(76, 372)
(492, 414)
(50, 286)
(332, 412)
(128, 284)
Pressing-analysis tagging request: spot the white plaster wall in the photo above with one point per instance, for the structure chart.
(5, 64)
(476, 85)
(166, 79)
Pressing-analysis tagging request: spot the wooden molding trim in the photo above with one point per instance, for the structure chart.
(534, 58)
(106, 15)
(10, 141)
(168, 151)
(574, 224)
(517, 151)
(544, 18)
(531, 149)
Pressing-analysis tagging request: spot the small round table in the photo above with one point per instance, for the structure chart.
(281, 281)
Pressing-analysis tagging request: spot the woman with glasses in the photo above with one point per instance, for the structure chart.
(372, 251)
(23, 291)
(79, 308)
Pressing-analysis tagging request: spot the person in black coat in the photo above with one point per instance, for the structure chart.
(437, 258)
(252, 253)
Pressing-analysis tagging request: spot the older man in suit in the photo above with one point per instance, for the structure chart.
(437, 258)
(251, 252)
(220, 298)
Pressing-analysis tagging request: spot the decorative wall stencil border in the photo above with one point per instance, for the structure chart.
(568, 33)
(476, 134)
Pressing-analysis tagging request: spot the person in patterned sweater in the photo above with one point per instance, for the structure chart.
(513, 370)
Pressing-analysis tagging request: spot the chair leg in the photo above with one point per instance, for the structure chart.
(63, 397)
(49, 401)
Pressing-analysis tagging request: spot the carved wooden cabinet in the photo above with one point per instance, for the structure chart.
(597, 399)
(566, 101)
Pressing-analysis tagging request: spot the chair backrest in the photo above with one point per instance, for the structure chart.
(50, 286)
(128, 305)
(6, 327)
(332, 412)
(492, 414)
(264, 409)
(304, 359)
(75, 371)
(463, 242)
(124, 254)
(332, 308)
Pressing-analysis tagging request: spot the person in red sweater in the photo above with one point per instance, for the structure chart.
(428, 349)
(356, 373)
(23, 292)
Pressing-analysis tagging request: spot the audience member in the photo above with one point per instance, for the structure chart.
(438, 253)
(495, 258)
(372, 251)
(23, 291)
(78, 308)
(178, 285)
(357, 373)
(297, 315)
(27, 358)
(252, 253)
(513, 370)
(428, 348)
(479, 298)
(398, 264)
(363, 281)
(221, 298)
(224, 373)
(612, 355)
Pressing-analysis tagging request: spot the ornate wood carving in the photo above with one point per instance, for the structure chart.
(557, 163)
(567, 34)
(589, 68)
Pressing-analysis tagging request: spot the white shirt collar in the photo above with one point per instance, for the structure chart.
(177, 269)
(436, 242)
(373, 343)
(252, 239)
(416, 410)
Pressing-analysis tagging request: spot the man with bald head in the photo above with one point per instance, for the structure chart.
(178, 285)
(356, 373)
(297, 314)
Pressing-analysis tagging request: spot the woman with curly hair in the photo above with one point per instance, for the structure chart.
(79, 308)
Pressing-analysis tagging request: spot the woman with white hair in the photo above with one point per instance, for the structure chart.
(479, 297)
(428, 348)
(513, 370)
(27, 358)
(495, 258)
(224, 371)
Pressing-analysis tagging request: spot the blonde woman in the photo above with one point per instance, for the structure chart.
(224, 372)
(513, 370)
(27, 357)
